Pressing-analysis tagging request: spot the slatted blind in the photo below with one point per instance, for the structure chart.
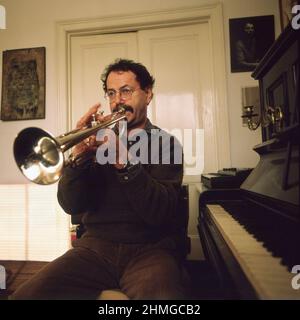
(32, 224)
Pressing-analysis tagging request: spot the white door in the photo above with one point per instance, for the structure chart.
(180, 60)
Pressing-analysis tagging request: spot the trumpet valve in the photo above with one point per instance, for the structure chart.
(94, 122)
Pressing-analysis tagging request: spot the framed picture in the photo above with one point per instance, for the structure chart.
(250, 38)
(285, 9)
(23, 84)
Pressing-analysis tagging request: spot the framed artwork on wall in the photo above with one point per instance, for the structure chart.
(23, 84)
(250, 38)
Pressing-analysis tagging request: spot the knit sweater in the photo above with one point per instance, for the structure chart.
(136, 206)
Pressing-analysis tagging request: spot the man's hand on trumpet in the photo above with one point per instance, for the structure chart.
(89, 144)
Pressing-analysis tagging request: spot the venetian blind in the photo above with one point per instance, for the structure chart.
(32, 224)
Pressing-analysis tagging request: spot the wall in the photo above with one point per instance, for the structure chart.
(242, 139)
(31, 23)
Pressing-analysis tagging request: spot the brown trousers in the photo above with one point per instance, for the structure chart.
(151, 271)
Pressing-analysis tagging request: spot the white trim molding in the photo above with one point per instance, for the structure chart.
(211, 14)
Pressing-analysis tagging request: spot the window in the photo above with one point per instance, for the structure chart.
(33, 226)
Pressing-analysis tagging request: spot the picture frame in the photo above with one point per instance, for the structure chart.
(23, 84)
(250, 38)
(285, 10)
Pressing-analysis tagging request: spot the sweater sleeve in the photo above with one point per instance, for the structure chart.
(73, 190)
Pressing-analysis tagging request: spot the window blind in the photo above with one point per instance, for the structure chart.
(32, 224)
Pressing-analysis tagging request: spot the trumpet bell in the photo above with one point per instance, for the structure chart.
(38, 156)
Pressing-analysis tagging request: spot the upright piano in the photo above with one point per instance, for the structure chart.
(251, 235)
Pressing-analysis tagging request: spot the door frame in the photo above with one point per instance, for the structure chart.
(211, 14)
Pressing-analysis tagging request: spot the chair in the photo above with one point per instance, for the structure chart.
(183, 209)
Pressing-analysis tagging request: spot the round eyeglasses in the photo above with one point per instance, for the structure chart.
(125, 93)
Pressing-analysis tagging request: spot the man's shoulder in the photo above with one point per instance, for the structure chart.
(164, 136)
(155, 130)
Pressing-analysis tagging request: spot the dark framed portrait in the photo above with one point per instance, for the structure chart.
(23, 84)
(250, 38)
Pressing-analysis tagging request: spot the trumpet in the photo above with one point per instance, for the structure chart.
(40, 156)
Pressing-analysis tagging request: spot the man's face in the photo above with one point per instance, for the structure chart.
(138, 100)
(249, 28)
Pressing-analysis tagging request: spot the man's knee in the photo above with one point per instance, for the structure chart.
(30, 290)
(160, 277)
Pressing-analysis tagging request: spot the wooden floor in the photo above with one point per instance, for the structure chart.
(204, 282)
(17, 272)
(203, 279)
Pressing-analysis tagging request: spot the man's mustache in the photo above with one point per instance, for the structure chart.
(124, 106)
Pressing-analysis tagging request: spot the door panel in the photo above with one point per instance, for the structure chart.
(180, 58)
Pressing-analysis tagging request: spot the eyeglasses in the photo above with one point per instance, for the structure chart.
(125, 93)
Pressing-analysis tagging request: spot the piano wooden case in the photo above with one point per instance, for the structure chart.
(251, 235)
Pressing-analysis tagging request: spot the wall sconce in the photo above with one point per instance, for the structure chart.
(271, 116)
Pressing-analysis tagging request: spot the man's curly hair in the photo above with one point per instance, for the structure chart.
(143, 76)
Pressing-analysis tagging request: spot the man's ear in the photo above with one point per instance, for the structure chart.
(149, 94)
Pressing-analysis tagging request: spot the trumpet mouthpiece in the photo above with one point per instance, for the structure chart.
(124, 107)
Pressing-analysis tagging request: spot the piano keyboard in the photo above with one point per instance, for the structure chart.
(269, 278)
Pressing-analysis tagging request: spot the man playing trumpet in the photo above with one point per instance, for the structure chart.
(134, 237)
